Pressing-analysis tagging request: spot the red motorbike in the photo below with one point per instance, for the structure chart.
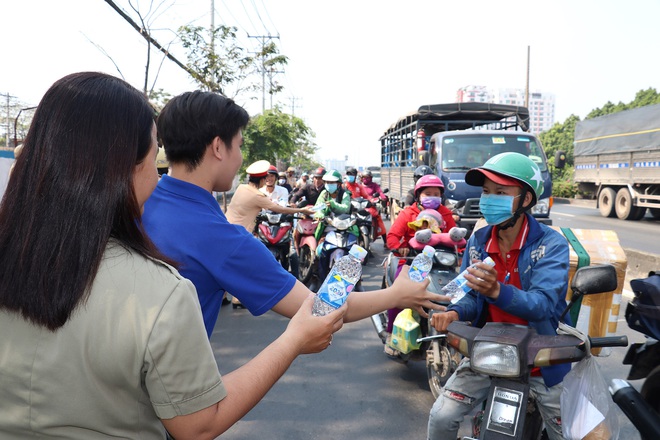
(306, 248)
(275, 231)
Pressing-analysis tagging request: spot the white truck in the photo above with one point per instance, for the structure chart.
(617, 160)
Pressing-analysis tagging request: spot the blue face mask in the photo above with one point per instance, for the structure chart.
(331, 187)
(351, 179)
(430, 202)
(496, 208)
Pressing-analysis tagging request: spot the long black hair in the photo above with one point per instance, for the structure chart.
(71, 190)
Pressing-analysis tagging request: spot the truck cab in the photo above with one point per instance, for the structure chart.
(452, 139)
(453, 153)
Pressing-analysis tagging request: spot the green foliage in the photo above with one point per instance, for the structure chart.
(219, 62)
(276, 135)
(158, 99)
(561, 136)
(222, 66)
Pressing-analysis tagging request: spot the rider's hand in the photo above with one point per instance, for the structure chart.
(313, 334)
(307, 210)
(413, 295)
(440, 321)
(483, 279)
(403, 251)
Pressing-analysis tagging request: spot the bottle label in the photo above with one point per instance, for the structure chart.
(416, 274)
(335, 291)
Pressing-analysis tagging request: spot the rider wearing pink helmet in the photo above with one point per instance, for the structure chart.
(428, 196)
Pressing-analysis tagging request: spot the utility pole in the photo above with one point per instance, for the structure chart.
(527, 85)
(293, 105)
(264, 39)
(7, 95)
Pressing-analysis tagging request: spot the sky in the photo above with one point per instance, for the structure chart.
(355, 66)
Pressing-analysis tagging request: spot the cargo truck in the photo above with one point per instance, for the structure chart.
(451, 139)
(617, 161)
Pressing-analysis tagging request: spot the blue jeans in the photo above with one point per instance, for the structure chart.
(466, 389)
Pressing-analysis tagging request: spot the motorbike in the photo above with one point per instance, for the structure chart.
(384, 206)
(441, 359)
(508, 352)
(643, 315)
(275, 231)
(365, 223)
(306, 248)
(336, 242)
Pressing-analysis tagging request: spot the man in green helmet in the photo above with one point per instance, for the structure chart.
(527, 286)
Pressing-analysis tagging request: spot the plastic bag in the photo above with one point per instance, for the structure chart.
(405, 332)
(587, 409)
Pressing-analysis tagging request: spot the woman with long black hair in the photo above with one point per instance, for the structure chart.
(100, 335)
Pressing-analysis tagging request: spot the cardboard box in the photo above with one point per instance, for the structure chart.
(599, 314)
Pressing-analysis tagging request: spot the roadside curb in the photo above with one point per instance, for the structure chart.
(639, 265)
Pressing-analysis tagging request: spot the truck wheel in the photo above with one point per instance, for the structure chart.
(606, 200)
(655, 212)
(624, 206)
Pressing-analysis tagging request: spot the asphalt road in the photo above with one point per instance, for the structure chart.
(351, 390)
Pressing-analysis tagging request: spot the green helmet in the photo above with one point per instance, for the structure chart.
(332, 176)
(514, 165)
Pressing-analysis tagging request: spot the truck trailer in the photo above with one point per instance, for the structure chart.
(452, 139)
(617, 161)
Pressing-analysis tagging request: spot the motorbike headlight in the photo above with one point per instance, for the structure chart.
(495, 359)
(274, 217)
(542, 207)
(445, 258)
(341, 224)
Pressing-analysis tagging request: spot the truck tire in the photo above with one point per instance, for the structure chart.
(624, 206)
(606, 200)
(655, 212)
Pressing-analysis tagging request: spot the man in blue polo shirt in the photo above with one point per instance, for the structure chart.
(202, 136)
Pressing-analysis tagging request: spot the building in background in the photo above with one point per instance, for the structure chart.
(541, 105)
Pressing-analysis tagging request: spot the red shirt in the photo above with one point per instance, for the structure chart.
(357, 190)
(506, 266)
(399, 233)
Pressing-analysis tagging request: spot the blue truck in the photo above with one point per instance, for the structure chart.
(451, 139)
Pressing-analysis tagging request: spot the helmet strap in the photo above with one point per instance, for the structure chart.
(517, 213)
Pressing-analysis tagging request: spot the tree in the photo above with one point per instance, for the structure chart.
(560, 138)
(276, 135)
(225, 67)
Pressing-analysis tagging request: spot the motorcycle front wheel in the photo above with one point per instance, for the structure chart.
(306, 264)
(446, 365)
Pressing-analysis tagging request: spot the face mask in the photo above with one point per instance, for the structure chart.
(282, 181)
(496, 208)
(350, 179)
(366, 180)
(331, 187)
(430, 202)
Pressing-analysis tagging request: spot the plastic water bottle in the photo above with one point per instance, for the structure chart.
(341, 280)
(421, 265)
(458, 287)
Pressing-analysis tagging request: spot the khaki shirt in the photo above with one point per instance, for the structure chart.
(245, 204)
(135, 352)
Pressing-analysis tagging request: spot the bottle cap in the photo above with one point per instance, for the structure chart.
(358, 252)
(429, 251)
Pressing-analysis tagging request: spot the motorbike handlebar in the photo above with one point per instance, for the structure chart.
(609, 341)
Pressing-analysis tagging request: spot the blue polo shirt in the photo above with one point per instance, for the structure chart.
(186, 224)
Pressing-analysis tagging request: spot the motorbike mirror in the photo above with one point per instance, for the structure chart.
(594, 279)
(386, 190)
(589, 280)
